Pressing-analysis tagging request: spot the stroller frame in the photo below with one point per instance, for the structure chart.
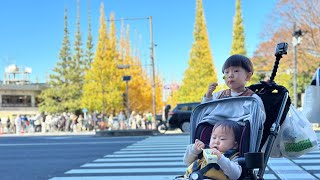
(265, 90)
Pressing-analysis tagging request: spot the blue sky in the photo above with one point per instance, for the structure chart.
(31, 31)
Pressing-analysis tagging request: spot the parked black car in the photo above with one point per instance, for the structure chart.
(179, 117)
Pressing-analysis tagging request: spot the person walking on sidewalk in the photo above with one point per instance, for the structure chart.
(17, 122)
(121, 119)
(149, 120)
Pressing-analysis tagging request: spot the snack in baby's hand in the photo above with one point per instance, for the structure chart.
(209, 157)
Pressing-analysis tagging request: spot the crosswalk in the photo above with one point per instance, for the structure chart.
(160, 158)
(310, 162)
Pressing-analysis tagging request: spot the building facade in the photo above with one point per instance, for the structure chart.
(19, 98)
(17, 94)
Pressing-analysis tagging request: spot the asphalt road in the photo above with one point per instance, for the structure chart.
(116, 158)
(43, 157)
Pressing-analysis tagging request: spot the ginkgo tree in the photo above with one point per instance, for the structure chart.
(238, 37)
(201, 70)
(139, 87)
(102, 89)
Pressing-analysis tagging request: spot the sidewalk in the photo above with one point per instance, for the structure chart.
(142, 132)
(50, 134)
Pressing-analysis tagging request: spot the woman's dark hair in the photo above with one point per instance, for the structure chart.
(228, 124)
(238, 60)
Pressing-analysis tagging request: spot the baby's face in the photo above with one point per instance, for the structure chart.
(223, 139)
(236, 77)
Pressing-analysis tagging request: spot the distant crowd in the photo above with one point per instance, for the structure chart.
(70, 122)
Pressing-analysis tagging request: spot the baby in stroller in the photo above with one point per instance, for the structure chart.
(224, 143)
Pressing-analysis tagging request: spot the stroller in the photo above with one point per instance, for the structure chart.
(276, 103)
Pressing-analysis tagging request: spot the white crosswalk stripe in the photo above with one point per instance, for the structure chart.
(157, 158)
(160, 158)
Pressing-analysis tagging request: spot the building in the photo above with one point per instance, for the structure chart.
(17, 94)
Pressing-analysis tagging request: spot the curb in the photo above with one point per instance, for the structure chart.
(107, 133)
(49, 134)
(133, 132)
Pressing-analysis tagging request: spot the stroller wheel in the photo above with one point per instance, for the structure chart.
(185, 126)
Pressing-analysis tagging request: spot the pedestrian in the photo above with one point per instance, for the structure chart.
(80, 125)
(144, 121)
(166, 111)
(224, 143)
(132, 120)
(111, 125)
(68, 122)
(139, 120)
(8, 130)
(94, 120)
(26, 123)
(121, 119)
(17, 122)
(74, 122)
(149, 120)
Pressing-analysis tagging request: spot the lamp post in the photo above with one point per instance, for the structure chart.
(153, 84)
(127, 79)
(296, 40)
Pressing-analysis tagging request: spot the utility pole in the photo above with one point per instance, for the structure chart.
(153, 74)
(296, 40)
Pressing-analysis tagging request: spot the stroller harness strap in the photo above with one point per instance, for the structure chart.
(212, 170)
(227, 93)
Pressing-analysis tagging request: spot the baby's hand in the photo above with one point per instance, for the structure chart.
(211, 88)
(199, 145)
(216, 152)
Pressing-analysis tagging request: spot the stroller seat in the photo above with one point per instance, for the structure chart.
(226, 109)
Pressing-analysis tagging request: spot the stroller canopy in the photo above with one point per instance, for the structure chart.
(240, 109)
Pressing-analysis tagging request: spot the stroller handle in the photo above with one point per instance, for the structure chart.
(280, 50)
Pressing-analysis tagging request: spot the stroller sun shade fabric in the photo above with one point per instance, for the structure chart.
(238, 109)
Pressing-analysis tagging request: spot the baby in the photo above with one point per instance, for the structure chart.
(224, 140)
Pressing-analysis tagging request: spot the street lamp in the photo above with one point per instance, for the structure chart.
(153, 84)
(127, 79)
(296, 40)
